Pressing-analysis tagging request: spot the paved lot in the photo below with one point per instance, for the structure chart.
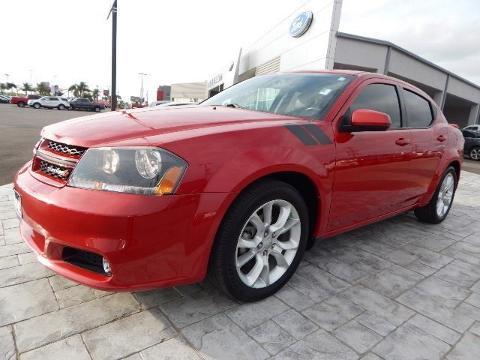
(394, 290)
(19, 131)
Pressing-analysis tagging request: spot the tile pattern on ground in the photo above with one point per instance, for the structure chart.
(398, 289)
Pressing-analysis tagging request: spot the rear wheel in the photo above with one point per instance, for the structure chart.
(260, 242)
(475, 153)
(21, 104)
(439, 206)
(61, 107)
(97, 109)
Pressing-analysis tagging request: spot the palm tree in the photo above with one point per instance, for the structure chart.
(95, 93)
(74, 90)
(10, 86)
(83, 88)
(27, 87)
(43, 89)
(3, 87)
(80, 89)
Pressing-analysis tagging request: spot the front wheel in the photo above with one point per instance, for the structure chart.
(261, 241)
(475, 153)
(36, 106)
(439, 206)
(61, 107)
(21, 104)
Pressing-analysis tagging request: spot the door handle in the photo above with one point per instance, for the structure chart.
(401, 142)
(441, 138)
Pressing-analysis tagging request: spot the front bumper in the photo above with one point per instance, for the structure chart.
(149, 241)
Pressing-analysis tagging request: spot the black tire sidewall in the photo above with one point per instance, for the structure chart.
(232, 226)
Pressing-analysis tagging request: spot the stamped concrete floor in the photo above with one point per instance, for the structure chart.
(394, 290)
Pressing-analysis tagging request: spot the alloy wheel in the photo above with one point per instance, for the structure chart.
(268, 243)
(475, 154)
(445, 195)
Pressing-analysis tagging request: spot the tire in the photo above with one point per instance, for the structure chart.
(238, 236)
(21, 104)
(61, 107)
(97, 109)
(434, 212)
(475, 153)
(72, 107)
(37, 106)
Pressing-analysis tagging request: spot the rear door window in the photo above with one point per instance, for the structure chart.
(380, 97)
(419, 110)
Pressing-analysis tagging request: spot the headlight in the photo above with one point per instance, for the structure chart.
(146, 170)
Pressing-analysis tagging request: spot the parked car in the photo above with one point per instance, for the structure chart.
(472, 144)
(21, 101)
(49, 102)
(239, 185)
(4, 99)
(475, 128)
(86, 104)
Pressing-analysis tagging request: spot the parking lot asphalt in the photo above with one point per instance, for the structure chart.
(398, 289)
(20, 130)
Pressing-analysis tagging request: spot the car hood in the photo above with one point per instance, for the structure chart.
(140, 126)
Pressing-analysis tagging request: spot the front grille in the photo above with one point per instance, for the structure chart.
(71, 150)
(84, 259)
(54, 171)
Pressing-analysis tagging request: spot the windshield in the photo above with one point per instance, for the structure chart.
(297, 94)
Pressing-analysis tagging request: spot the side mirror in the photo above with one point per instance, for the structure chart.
(365, 120)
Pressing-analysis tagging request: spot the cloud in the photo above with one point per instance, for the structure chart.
(444, 32)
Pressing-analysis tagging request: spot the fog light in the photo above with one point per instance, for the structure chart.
(106, 266)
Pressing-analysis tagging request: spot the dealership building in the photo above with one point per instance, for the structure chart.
(308, 39)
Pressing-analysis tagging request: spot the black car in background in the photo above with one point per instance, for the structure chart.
(85, 104)
(472, 144)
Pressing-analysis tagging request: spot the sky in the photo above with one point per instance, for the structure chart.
(67, 41)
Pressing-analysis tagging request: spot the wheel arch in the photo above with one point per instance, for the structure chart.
(300, 180)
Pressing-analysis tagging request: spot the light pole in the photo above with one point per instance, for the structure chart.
(113, 11)
(141, 84)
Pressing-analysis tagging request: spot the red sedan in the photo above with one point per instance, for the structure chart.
(238, 186)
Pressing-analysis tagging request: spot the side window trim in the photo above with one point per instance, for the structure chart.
(432, 110)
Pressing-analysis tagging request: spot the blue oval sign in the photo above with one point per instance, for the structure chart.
(301, 23)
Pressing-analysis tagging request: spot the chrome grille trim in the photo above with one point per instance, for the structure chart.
(54, 170)
(66, 149)
(62, 162)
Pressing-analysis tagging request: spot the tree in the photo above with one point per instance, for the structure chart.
(74, 90)
(3, 87)
(80, 90)
(27, 87)
(43, 89)
(83, 88)
(10, 86)
(95, 93)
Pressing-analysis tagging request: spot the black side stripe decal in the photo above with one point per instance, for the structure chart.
(301, 134)
(309, 134)
(317, 133)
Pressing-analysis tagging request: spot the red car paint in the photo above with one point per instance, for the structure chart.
(156, 241)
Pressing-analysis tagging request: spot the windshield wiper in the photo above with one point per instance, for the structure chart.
(232, 105)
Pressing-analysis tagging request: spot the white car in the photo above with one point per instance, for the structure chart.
(50, 102)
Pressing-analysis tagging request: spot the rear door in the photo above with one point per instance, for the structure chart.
(371, 168)
(52, 102)
(428, 139)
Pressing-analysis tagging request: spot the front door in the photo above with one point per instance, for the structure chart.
(371, 168)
